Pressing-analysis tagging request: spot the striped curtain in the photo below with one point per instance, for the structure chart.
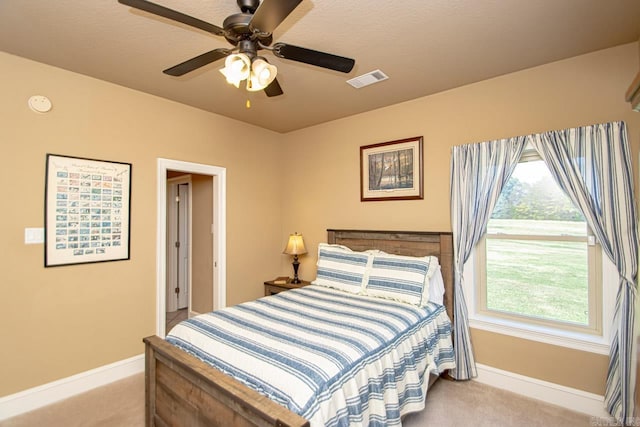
(478, 174)
(592, 166)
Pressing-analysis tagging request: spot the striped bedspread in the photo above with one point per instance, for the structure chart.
(335, 358)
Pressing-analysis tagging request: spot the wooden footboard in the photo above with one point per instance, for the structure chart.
(181, 390)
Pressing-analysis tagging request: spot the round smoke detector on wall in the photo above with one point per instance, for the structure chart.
(40, 104)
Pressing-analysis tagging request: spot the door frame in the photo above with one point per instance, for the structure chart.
(218, 229)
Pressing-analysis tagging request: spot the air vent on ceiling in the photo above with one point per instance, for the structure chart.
(368, 79)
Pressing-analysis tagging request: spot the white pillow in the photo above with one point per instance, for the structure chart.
(436, 287)
(341, 268)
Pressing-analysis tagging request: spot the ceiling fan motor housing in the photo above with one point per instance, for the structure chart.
(248, 47)
(236, 28)
(249, 6)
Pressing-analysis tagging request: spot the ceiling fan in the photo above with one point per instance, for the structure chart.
(249, 32)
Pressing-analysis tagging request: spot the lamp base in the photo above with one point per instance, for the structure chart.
(296, 264)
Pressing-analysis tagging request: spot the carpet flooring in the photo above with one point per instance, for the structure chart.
(449, 403)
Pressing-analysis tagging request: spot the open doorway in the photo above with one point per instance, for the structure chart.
(213, 226)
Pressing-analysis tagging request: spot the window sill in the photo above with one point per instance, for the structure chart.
(574, 340)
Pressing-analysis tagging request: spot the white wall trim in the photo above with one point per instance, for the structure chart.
(219, 227)
(46, 394)
(555, 394)
(539, 333)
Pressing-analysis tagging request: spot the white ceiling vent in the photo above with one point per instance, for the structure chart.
(368, 79)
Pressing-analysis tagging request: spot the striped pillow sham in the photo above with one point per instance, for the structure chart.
(341, 268)
(401, 278)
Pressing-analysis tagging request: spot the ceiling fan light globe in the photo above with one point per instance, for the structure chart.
(265, 75)
(231, 79)
(237, 67)
(253, 85)
(262, 74)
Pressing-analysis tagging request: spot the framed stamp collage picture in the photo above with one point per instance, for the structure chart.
(87, 210)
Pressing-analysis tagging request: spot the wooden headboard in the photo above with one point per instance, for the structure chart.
(411, 243)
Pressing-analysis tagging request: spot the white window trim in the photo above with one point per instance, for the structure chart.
(549, 335)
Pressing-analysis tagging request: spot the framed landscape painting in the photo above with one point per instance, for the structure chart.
(87, 210)
(392, 170)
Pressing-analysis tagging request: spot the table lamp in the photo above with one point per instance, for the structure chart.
(295, 247)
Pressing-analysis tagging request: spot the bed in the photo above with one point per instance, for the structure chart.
(183, 389)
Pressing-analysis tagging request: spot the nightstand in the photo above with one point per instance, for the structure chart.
(271, 288)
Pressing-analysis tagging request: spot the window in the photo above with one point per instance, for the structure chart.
(538, 264)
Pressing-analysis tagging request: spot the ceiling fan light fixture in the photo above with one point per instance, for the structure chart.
(237, 67)
(249, 31)
(262, 74)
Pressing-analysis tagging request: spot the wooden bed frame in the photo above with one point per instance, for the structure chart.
(181, 390)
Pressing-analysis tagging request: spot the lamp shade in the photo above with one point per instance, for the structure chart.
(295, 245)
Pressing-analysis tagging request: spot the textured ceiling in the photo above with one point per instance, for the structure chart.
(424, 46)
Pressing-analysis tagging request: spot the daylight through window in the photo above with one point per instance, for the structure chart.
(540, 263)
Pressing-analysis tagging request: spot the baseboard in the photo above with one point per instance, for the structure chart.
(46, 394)
(37, 397)
(570, 398)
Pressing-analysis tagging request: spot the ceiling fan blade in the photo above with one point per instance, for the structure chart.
(271, 13)
(156, 9)
(197, 62)
(273, 89)
(313, 57)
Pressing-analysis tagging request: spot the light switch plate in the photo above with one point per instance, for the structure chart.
(33, 235)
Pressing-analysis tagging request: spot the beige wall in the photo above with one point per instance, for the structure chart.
(65, 320)
(70, 319)
(579, 91)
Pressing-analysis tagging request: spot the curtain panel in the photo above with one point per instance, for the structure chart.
(478, 174)
(592, 166)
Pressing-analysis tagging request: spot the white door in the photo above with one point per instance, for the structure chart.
(182, 246)
(178, 245)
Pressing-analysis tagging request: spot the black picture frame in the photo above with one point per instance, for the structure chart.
(87, 210)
